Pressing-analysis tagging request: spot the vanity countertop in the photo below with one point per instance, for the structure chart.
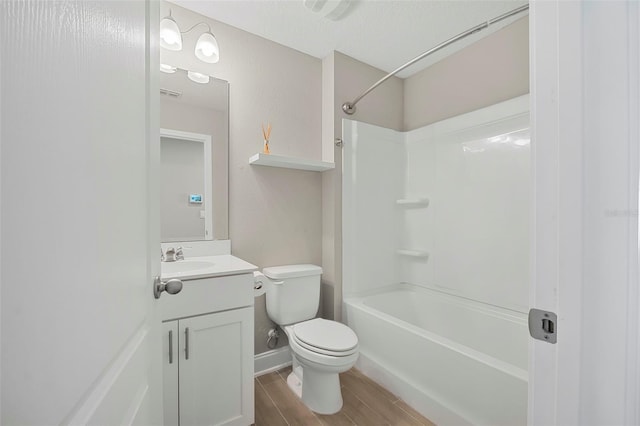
(192, 268)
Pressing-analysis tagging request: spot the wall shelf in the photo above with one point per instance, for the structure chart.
(413, 253)
(413, 202)
(282, 161)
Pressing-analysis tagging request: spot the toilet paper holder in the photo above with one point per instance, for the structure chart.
(258, 284)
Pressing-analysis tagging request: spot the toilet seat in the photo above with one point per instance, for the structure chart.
(306, 357)
(325, 337)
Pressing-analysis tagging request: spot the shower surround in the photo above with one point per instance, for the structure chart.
(436, 261)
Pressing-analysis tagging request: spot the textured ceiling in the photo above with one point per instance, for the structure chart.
(382, 33)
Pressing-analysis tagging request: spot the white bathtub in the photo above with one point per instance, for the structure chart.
(456, 361)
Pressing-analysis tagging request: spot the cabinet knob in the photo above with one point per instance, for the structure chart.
(172, 286)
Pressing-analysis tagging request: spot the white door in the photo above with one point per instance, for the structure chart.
(80, 234)
(585, 92)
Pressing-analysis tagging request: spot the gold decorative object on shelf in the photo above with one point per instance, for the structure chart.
(266, 133)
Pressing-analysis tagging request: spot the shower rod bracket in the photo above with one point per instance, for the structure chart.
(349, 108)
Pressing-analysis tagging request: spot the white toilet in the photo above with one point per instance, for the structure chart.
(321, 348)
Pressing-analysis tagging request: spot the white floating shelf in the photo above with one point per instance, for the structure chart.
(413, 253)
(413, 202)
(272, 160)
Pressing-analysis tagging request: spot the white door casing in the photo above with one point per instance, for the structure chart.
(556, 172)
(585, 94)
(80, 233)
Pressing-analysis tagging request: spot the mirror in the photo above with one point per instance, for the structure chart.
(194, 135)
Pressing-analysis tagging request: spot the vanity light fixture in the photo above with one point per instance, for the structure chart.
(197, 77)
(170, 35)
(167, 68)
(206, 49)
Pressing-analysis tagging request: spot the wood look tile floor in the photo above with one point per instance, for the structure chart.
(366, 403)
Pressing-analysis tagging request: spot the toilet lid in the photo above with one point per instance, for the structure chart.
(326, 335)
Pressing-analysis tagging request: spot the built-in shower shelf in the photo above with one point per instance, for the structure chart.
(413, 202)
(282, 161)
(413, 253)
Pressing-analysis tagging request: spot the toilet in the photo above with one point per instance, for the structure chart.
(321, 349)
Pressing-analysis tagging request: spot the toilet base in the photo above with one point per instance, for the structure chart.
(320, 391)
(295, 382)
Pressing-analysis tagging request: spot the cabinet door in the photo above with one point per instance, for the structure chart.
(170, 372)
(216, 369)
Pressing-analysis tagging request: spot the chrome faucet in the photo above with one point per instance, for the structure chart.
(170, 255)
(173, 254)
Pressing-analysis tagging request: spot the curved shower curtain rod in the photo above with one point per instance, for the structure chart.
(350, 107)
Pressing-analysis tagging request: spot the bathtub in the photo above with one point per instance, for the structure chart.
(454, 360)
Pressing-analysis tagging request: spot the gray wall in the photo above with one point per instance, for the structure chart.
(494, 69)
(274, 214)
(188, 118)
(181, 174)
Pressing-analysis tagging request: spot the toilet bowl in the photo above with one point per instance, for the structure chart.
(321, 349)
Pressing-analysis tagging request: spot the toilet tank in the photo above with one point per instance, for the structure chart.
(293, 292)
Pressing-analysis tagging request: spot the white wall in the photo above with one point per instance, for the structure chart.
(475, 172)
(373, 178)
(611, 141)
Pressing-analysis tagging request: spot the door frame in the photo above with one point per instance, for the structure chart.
(584, 258)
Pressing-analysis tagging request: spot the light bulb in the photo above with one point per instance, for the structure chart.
(207, 49)
(170, 37)
(198, 77)
(167, 68)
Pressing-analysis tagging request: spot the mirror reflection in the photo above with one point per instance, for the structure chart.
(194, 156)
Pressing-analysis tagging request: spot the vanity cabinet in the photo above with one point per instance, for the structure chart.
(208, 356)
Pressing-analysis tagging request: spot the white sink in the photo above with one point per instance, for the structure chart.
(181, 266)
(193, 268)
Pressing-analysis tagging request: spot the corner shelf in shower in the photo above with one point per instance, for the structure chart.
(421, 254)
(282, 161)
(413, 202)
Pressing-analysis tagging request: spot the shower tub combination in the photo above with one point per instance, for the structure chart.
(436, 262)
(440, 354)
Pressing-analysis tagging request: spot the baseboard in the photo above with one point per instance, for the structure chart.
(274, 360)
